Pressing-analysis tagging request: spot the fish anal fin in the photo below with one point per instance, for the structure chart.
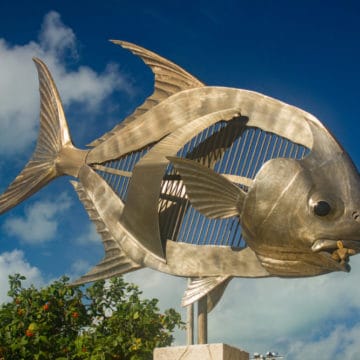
(213, 287)
(110, 266)
(169, 80)
(209, 192)
(115, 262)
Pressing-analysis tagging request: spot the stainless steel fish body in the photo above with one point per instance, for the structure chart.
(204, 182)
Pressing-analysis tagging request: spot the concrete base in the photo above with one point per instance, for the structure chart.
(203, 352)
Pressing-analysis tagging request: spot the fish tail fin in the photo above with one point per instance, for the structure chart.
(54, 154)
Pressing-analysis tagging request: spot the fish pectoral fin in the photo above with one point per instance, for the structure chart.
(115, 262)
(209, 192)
(214, 296)
(213, 287)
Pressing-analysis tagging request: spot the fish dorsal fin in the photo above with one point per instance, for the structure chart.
(115, 262)
(213, 287)
(210, 193)
(169, 79)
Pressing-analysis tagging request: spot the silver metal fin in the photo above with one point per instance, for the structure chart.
(213, 287)
(209, 192)
(214, 296)
(53, 142)
(115, 262)
(169, 79)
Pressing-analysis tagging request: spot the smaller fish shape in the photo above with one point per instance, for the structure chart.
(204, 182)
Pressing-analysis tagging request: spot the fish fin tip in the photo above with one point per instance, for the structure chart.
(109, 267)
(74, 183)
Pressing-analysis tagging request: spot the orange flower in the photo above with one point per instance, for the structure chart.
(75, 315)
(46, 307)
(29, 333)
(20, 312)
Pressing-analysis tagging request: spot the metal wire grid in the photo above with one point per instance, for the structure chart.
(229, 148)
(241, 151)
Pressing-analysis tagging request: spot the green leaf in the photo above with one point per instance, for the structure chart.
(43, 339)
(136, 315)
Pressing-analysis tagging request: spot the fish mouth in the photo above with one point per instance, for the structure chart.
(338, 250)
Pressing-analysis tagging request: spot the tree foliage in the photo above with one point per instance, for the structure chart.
(108, 320)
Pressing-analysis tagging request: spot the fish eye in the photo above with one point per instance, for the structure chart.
(322, 208)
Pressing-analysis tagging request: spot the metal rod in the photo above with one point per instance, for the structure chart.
(202, 321)
(190, 322)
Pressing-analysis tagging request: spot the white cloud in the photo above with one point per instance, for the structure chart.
(89, 236)
(79, 268)
(19, 99)
(14, 262)
(55, 38)
(86, 86)
(40, 221)
(341, 343)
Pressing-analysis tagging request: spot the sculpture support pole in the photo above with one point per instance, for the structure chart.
(190, 322)
(202, 320)
(190, 325)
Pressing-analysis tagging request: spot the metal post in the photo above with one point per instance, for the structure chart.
(202, 320)
(190, 322)
(190, 325)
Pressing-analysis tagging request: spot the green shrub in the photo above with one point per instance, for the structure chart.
(108, 320)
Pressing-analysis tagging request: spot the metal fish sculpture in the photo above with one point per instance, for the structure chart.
(204, 182)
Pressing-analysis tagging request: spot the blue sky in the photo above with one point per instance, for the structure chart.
(305, 53)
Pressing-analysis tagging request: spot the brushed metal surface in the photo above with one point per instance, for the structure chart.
(291, 188)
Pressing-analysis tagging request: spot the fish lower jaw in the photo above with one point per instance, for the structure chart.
(338, 250)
